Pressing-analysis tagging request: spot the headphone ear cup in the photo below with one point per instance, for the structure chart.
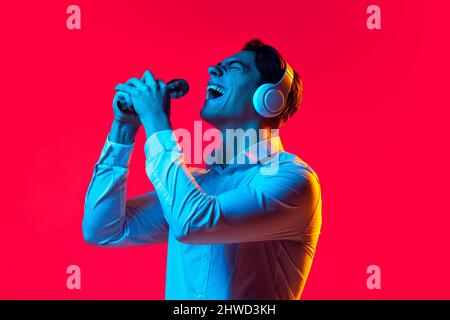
(258, 99)
(274, 101)
(267, 101)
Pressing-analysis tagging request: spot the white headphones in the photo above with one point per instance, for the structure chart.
(270, 98)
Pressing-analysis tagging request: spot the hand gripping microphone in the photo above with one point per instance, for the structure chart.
(177, 89)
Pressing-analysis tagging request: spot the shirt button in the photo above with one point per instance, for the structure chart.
(205, 257)
(199, 296)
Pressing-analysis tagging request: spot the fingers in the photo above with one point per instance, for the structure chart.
(161, 84)
(135, 82)
(149, 79)
(124, 98)
(133, 86)
(126, 88)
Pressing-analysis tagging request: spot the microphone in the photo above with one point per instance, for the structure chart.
(177, 89)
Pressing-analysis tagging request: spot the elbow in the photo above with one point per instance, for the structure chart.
(100, 233)
(92, 233)
(95, 238)
(185, 233)
(91, 240)
(180, 233)
(186, 238)
(87, 228)
(90, 236)
(194, 237)
(194, 229)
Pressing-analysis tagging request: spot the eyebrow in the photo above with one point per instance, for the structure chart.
(234, 61)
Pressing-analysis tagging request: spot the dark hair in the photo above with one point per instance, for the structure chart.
(271, 66)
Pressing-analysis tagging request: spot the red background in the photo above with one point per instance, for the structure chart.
(373, 124)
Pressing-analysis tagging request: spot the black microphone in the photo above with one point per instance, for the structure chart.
(177, 89)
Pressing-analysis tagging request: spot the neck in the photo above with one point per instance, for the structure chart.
(235, 140)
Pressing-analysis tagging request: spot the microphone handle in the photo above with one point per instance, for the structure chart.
(174, 92)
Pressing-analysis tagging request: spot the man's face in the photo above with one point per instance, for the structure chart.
(229, 97)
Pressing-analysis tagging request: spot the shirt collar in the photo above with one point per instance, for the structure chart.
(258, 153)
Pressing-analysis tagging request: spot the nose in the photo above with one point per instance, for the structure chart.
(215, 71)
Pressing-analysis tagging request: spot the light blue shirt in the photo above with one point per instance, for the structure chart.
(232, 233)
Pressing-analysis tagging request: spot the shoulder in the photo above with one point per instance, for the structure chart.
(285, 165)
(290, 178)
(293, 184)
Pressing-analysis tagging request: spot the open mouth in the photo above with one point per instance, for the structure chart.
(214, 91)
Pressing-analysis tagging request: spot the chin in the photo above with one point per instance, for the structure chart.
(213, 117)
(203, 114)
(208, 117)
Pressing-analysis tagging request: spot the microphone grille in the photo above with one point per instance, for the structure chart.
(178, 88)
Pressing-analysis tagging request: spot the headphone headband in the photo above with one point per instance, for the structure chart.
(285, 82)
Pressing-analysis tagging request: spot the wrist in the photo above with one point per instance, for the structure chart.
(123, 132)
(153, 125)
(129, 125)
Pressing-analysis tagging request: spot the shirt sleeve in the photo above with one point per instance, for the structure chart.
(110, 219)
(273, 207)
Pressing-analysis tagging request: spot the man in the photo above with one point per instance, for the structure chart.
(232, 232)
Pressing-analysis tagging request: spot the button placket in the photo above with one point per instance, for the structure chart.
(203, 273)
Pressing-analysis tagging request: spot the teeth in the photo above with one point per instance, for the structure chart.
(216, 88)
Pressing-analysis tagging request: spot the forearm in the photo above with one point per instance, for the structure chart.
(155, 124)
(105, 201)
(180, 195)
(123, 133)
(104, 209)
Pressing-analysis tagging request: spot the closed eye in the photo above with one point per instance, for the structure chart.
(236, 65)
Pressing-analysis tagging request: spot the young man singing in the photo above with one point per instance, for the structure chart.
(234, 231)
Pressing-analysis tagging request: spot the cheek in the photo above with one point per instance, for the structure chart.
(244, 93)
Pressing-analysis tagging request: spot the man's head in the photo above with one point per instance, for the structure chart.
(229, 102)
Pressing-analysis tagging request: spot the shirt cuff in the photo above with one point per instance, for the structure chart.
(116, 154)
